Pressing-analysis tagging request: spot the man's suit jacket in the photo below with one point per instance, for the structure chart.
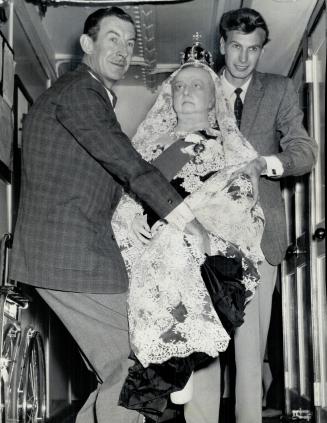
(75, 160)
(272, 122)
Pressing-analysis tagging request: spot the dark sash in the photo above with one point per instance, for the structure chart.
(172, 160)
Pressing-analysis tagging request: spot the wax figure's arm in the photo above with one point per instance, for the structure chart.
(86, 112)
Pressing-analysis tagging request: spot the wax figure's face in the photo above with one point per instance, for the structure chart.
(242, 52)
(193, 91)
(110, 55)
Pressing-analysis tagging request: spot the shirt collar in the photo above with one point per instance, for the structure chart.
(229, 88)
(112, 96)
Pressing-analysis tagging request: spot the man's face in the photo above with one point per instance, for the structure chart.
(192, 90)
(242, 52)
(110, 55)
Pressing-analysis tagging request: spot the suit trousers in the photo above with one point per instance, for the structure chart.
(250, 343)
(98, 323)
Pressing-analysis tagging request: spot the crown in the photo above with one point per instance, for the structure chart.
(196, 53)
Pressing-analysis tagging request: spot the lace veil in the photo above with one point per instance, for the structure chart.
(161, 119)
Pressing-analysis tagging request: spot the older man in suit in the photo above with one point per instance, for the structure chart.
(266, 108)
(75, 161)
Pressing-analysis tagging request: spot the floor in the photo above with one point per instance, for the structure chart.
(69, 416)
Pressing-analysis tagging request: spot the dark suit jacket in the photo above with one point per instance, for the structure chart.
(75, 159)
(272, 122)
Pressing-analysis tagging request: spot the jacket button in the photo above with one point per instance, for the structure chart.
(170, 201)
(113, 237)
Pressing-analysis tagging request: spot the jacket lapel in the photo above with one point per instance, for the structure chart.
(85, 69)
(251, 105)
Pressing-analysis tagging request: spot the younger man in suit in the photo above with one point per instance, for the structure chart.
(266, 108)
(75, 160)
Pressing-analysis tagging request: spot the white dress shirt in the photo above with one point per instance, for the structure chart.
(274, 165)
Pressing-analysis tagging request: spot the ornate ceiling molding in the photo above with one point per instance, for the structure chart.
(43, 4)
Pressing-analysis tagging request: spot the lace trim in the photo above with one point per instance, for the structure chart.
(167, 289)
(121, 224)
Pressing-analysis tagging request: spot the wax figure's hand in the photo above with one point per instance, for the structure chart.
(253, 170)
(196, 229)
(141, 229)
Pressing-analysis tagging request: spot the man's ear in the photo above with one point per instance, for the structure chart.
(86, 43)
(222, 45)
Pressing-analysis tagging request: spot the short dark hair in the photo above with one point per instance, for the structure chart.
(92, 23)
(245, 20)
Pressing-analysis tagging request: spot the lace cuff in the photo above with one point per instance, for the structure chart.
(180, 216)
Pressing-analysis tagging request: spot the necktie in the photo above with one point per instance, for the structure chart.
(238, 106)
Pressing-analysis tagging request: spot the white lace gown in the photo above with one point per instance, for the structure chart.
(170, 311)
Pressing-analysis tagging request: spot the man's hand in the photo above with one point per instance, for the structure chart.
(141, 229)
(253, 170)
(196, 229)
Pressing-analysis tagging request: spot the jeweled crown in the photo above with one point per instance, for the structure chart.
(196, 53)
